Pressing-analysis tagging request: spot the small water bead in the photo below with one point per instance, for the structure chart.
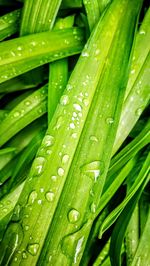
(16, 114)
(109, 120)
(139, 111)
(93, 207)
(86, 102)
(65, 158)
(64, 100)
(73, 216)
(16, 213)
(54, 178)
(97, 52)
(77, 107)
(41, 189)
(132, 71)
(74, 135)
(12, 53)
(33, 249)
(66, 41)
(93, 138)
(27, 103)
(48, 152)
(32, 197)
(93, 169)
(33, 43)
(69, 87)
(48, 141)
(26, 227)
(85, 54)
(50, 196)
(38, 166)
(19, 48)
(72, 125)
(60, 171)
(39, 201)
(142, 32)
(24, 255)
(75, 114)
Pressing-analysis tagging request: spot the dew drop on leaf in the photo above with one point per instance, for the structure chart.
(33, 248)
(73, 216)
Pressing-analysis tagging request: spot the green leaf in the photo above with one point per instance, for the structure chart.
(142, 255)
(38, 16)
(122, 223)
(34, 50)
(137, 92)
(7, 150)
(132, 191)
(31, 108)
(9, 24)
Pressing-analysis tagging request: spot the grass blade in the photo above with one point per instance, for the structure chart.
(122, 223)
(38, 16)
(31, 51)
(93, 12)
(133, 190)
(138, 89)
(142, 255)
(88, 170)
(58, 73)
(31, 108)
(9, 24)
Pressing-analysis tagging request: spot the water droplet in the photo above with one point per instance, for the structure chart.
(48, 140)
(54, 178)
(109, 120)
(64, 100)
(93, 207)
(85, 54)
(74, 114)
(19, 48)
(33, 43)
(26, 227)
(33, 248)
(38, 166)
(48, 152)
(138, 112)
(16, 213)
(39, 201)
(142, 32)
(16, 114)
(72, 244)
(73, 216)
(72, 125)
(93, 169)
(41, 189)
(86, 102)
(93, 138)
(132, 71)
(49, 196)
(74, 135)
(60, 171)
(65, 158)
(32, 197)
(97, 51)
(27, 103)
(13, 235)
(69, 87)
(24, 255)
(77, 107)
